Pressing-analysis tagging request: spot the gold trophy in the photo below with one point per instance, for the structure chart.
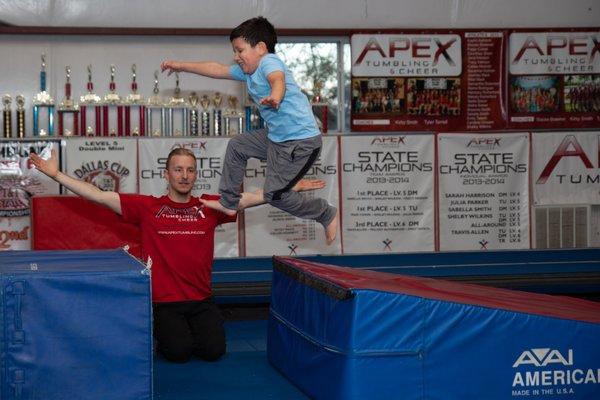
(154, 106)
(43, 101)
(234, 119)
(205, 116)
(193, 100)
(217, 114)
(177, 107)
(7, 114)
(90, 102)
(134, 99)
(112, 103)
(20, 116)
(68, 108)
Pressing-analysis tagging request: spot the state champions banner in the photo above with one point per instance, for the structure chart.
(566, 168)
(19, 181)
(270, 231)
(483, 191)
(209, 153)
(108, 163)
(388, 193)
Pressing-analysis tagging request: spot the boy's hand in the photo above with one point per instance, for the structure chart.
(170, 66)
(270, 101)
(48, 167)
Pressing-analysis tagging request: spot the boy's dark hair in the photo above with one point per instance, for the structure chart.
(256, 30)
(180, 151)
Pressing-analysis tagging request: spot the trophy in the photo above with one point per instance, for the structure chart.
(176, 107)
(193, 100)
(205, 116)
(43, 101)
(134, 99)
(68, 109)
(7, 114)
(93, 101)
(154, 106)
(20, 116)
(234, 120)
(217, 114)
(112, 104)
(320, 108)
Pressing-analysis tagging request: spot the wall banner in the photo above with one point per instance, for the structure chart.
(428, 81)
(209, 153)
(270, 231)
(566, 168)
(387, 193)
(483, 191)
(107, 163)
(554, 79)
(19, 181)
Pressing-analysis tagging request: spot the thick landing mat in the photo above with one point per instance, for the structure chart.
(341, 333)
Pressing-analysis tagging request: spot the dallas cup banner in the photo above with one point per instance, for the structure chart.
(387, 193)
(19, 181)
(483, 191)
(107, 163)
(566, 168)
(209, 152)
(270, 231)
(554, 79)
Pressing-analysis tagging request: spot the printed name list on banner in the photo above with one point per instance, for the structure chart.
(107, 163)
(387, 193)
(554, 79)
(209, 153)
(19, 181)
(427, 81)
(566, 168)
(270, 231)
(483, 191)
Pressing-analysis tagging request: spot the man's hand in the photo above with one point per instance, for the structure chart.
(48, 167)
(170, 66)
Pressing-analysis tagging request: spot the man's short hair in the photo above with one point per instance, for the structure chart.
(180, 151)
(256, 30)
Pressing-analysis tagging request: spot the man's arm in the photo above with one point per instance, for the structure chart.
(277, 83)
(205, 68)
(81, 188)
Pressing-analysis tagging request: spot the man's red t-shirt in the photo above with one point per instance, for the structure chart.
(179, 238)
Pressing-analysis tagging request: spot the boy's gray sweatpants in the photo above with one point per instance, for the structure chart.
(287, 162)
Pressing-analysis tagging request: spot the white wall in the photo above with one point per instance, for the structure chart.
(343, 14)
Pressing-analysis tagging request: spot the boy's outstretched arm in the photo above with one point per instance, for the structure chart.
(86, 190)
(205, 68)
(277, 82)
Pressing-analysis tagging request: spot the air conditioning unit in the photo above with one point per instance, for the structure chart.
(566, 226)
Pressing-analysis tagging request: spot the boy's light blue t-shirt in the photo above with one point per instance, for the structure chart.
(294, 119)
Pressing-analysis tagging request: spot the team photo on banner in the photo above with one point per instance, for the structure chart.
(483, 191)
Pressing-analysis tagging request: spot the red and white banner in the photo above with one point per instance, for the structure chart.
(19, 181)
(401, 54)
(108, 163)
(428, 81)
(387, 193)
(483, 191)
(210, 153)
(566, 168)
(270, 231)
(554, 81)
